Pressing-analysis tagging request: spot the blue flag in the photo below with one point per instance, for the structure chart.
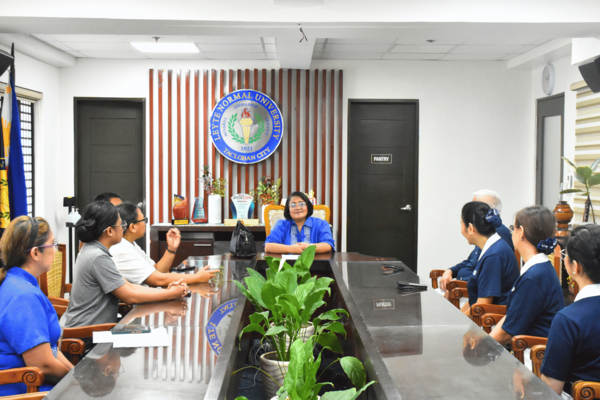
(17, 191)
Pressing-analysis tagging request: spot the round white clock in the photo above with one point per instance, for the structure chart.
(548, 79)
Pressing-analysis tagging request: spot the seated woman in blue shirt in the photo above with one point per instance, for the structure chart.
(536, 296)
(29, 328)
(299, 230)
(496, 270)
(573, 350)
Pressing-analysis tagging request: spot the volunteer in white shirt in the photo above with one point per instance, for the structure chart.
(135, 265)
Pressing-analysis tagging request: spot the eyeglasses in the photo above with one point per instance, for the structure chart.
(563, 254)
(300, 204)
(119, 372)
(140, 220)
(54, 244)
(123, 225)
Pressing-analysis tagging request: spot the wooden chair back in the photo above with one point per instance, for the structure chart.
(522, 342)
(32, 377)
(585, 390)
(456, 294)
(537, 357)
(52, 283)
(479, 311)
(274, 213)
(434, 275)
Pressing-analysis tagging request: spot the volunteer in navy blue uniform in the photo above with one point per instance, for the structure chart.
(496, 270)
(573, 350)
(536, 296)
(29, 328)
(299, 230)
(464, 270)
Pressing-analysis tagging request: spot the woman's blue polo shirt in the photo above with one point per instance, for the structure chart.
(27, 319)
(313, 231)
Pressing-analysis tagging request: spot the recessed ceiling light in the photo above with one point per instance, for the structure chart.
(166, 47)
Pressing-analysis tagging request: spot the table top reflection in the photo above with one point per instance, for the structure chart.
(172, 372)
(430, 348)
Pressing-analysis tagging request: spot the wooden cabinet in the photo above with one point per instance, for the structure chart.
(196, 240)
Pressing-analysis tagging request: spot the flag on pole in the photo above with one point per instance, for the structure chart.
(13, 192)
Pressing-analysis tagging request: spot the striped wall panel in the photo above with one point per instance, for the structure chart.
(308, 158)
(587, 143)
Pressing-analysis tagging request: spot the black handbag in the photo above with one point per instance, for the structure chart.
(242, 242)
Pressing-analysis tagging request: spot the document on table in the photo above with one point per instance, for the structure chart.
(158, 337)
(286, 257)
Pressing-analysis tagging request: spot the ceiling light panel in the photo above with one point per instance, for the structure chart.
(350, 56)
(113, 54)
(226, 39)
(83, 46)
(88, 38)
(402, 56)
(236, 56)
(231, 48)
(176, 56)
(356, 48)
(424, 49)
(465, 49)
(166, 47)
(161, 39)
(270, 48)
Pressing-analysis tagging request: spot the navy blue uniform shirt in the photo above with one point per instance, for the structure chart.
(464, 270)
(27, 319)
(495, 272)
(534, 300)
(573, 350)
(313, 231)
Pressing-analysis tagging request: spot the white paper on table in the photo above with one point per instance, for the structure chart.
(158, 337)
(286, 257)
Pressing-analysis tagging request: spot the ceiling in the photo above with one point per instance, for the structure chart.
(460, 30)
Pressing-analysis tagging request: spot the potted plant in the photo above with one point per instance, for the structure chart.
(267, 192)
(586, 176)
(285, 302)
(301, 380)
(216, 190)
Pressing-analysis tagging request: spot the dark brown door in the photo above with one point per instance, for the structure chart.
(109, 138)
(382, 178)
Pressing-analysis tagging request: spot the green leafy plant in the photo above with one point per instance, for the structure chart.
(212, 186)
(586, 176)
(267, 191)
(301, 380)
(285, 302)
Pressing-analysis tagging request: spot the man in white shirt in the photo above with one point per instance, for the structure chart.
(135, 265)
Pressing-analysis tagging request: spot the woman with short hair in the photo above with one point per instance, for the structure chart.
(29, 328)
(299, 229)
(496, 270)
(98, 285)
(536, 296)
(573, 350)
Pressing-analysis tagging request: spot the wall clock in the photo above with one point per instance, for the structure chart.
(548, 79)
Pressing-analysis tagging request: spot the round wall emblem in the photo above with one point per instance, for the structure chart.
(246, 126)
(218, 324)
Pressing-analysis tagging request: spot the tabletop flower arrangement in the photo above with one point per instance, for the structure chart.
(212, 186)
(267, 191)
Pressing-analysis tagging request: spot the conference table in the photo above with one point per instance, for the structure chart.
(416, 346)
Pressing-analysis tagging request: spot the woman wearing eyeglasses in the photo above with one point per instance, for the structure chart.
(299, 230)
(29, 328)
(536, 296)
(573, 350)
(135, 265)
(98, 285)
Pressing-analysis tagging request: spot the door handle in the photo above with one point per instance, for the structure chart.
(202, 244)
(407, 208)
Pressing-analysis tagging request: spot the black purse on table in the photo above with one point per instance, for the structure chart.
(242, 242)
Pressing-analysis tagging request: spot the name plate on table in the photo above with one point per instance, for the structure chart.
(381, 158)
(242, 206)
(384, 304)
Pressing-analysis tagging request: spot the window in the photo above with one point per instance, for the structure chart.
(27, 135)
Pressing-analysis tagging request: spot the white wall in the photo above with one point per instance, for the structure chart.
(475, 130)
(35, 75)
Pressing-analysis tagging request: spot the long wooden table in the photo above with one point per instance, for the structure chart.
(413, 346)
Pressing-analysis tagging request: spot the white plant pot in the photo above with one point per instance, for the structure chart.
(214, 209)
(277, 369)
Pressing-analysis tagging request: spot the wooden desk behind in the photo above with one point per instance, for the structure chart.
(198, 240)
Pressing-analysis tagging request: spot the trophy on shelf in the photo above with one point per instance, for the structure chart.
(242, 206)
(180, 210)
(199, 211)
